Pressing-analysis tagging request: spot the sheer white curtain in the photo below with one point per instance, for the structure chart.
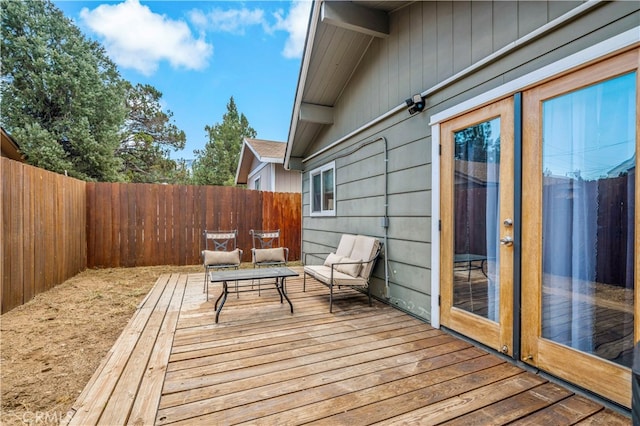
(569, 220)
(587, 135)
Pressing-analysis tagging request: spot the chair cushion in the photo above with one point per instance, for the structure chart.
(332, 258)
(323, 274)
(352, 269)
(212, 258)
(365, 248)
(269, 255)
(346, 245)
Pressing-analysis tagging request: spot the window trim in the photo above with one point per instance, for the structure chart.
(320, 171)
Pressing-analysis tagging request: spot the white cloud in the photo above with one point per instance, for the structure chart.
(233, 21)
(137, 38)
(237, 21)
(295, 24)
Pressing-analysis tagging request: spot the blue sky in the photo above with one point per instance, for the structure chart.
(200, 53)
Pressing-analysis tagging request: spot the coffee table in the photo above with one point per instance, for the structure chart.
(468, 259)
(279, 274)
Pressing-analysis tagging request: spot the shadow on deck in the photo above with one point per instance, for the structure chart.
(262, 365)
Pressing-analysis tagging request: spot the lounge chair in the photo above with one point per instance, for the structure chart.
(350, 265)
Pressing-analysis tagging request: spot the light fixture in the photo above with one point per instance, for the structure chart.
(415, 103)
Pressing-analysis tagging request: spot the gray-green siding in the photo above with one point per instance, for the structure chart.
(429, 43)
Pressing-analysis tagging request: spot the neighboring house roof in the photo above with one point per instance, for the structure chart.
(10, 147)
(262, 150)
(325, 72)
(625, 167)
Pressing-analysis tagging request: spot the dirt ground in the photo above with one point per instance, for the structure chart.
(51, 346)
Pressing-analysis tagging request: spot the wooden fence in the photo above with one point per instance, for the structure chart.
(610, 203)
(54, 226)
(144, 224)
(43, 231)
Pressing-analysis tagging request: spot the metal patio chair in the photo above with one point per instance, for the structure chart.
(266, 250)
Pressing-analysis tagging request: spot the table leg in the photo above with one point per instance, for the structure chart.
(224, 299)
(278, 287)
(284, 293)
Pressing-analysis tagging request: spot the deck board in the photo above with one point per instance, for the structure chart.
(261, 364)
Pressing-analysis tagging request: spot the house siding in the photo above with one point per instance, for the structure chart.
(286, 180)
(264, 174)
(429, 43)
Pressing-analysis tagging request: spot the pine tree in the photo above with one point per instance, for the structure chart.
(216, 164)
(62, 98)
(148, 136)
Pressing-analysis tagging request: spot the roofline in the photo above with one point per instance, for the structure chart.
(267, 160)
(244, 143)
(258, 156)
(572, 14)
(302, 77)
(11, 146)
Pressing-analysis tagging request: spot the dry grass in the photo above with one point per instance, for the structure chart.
(51, 346)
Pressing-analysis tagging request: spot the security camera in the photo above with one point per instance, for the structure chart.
(415, 103)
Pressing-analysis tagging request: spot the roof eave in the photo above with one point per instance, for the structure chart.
(302, 77)
(10, 146)
(369, 21)
(241, 163)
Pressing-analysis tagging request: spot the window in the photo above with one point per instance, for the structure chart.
(323, 189)
(256, 184)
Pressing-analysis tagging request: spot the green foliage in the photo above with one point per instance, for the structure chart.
(147, 138)
(216, 164)
(475, 144)
(50, 153)
(62, 97)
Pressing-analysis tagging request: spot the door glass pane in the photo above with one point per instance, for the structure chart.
(589, 166)
(476, 208)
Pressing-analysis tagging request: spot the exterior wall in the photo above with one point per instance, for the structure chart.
(287, 180)
(429, 43)
(264, 172)
(273, 177)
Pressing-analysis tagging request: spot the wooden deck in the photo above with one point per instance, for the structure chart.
(262, 365)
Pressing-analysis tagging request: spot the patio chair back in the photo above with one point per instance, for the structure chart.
(220, 240)
(265, 239)
(266, 249)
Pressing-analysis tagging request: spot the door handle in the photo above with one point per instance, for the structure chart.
(506, 241)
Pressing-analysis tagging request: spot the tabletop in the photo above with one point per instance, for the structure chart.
(251, 274)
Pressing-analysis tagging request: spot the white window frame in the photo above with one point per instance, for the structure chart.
(320, 171)
(256, 184)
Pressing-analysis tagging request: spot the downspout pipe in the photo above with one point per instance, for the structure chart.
(385, 219)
